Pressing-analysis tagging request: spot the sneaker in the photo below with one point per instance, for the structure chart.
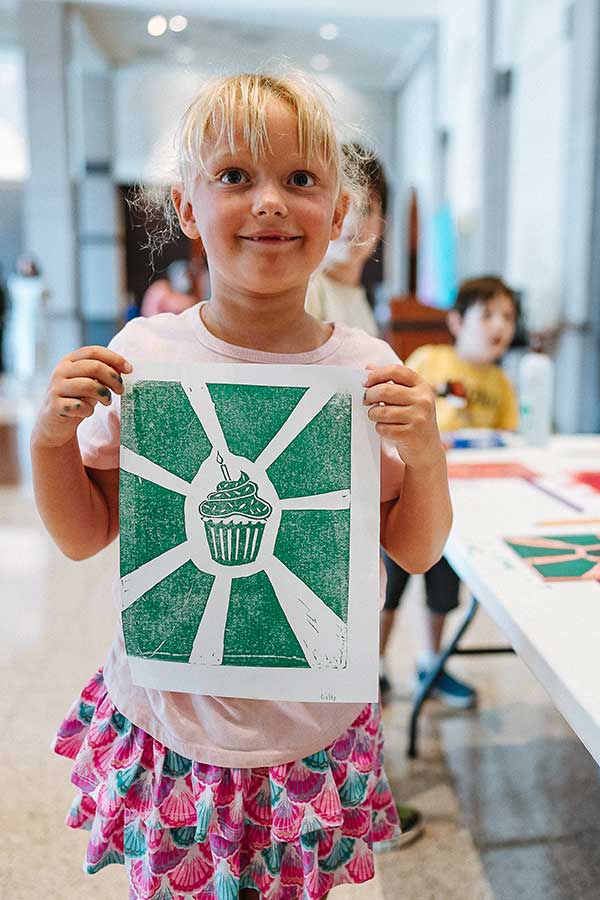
(454, 693)
(411, 823)
(385, 686)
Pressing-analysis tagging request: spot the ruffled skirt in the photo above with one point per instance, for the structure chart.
(190, 831)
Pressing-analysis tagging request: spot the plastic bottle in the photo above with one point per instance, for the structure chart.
(536, 393)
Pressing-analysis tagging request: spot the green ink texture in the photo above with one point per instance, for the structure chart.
(158, 422)
(251, 415)
(257, 632)
(315, 545)
(318, 459)
(151, 521)
(163, 623)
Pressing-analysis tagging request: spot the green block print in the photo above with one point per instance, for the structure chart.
(163, 622)
(525, 552)
(315, 544)
(579, 540)
(318, 460)
(257, 632)
(151, 521)
(251, 415)
(158, 422)
(574, 568)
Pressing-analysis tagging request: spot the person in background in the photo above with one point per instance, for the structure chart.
(26, 331)
(336, 293)
(472, 392)
(185, 284)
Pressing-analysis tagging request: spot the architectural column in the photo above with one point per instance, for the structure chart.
(578, 357)
(48, 226)
(101, 240)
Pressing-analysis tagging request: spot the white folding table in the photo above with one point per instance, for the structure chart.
(554, 626)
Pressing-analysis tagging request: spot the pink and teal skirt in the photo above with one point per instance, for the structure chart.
(186, 830)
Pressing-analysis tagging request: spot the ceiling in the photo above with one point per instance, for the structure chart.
(374, 51)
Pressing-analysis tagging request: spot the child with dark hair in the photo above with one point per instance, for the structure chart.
(472, 392)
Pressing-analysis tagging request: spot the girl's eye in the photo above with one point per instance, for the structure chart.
(302, 179)
(232, 176)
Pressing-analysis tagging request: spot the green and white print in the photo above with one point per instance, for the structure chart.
(249, 503)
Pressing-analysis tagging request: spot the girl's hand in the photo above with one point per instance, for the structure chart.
(80, 381)
(403, 406)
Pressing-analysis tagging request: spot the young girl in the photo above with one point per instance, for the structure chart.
(210, 798)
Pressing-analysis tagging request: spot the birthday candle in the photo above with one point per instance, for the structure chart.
(224, 468)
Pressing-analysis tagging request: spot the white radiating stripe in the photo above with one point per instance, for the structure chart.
(321, 634)
(141, 580)
(312, 402)
(138, 465)
(208, 643)
(332, 500)
(203, 406)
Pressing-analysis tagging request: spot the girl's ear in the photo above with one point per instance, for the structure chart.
(339, 214)
(185, 213)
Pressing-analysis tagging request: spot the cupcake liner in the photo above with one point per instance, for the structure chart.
(234, 545)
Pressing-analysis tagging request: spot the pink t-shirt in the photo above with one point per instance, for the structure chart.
(217, 730)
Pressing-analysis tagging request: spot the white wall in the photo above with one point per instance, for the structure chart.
(535, 44)
(461, 95)
(14, 157)
(415, 123)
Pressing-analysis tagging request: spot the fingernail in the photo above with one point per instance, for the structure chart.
(127, 367)
(104, 392)
(116, 377)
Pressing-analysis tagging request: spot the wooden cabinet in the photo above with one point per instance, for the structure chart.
(413, 324)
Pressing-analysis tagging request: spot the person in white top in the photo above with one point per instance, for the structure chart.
(26, 326)
(336, 292)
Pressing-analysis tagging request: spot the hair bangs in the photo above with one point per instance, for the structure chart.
(236, 109)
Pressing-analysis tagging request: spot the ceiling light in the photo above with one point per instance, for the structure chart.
(178, 23)
(320, 62)
(329, 32)
(157, 25)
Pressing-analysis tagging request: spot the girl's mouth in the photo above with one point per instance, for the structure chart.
(270, 238)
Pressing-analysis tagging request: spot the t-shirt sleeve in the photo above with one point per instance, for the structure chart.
(508, 419)
(99, 435)
(418, 360)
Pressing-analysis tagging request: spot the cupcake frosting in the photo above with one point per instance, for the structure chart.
(235, 498)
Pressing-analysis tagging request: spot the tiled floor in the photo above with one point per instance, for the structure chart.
(510, 796)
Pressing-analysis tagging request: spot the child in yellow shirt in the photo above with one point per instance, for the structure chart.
(472, 392)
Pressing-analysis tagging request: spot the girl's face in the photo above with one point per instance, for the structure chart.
(265, 224)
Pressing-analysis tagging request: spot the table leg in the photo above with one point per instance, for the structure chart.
(429, 682)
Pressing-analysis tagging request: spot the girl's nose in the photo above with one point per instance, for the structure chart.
(269, 201)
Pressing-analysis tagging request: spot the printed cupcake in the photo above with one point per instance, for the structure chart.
(234, 519)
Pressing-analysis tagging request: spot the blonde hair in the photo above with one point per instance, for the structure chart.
(223, 105)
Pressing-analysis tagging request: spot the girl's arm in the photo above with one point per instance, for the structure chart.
(414, 527)
(79, 506)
